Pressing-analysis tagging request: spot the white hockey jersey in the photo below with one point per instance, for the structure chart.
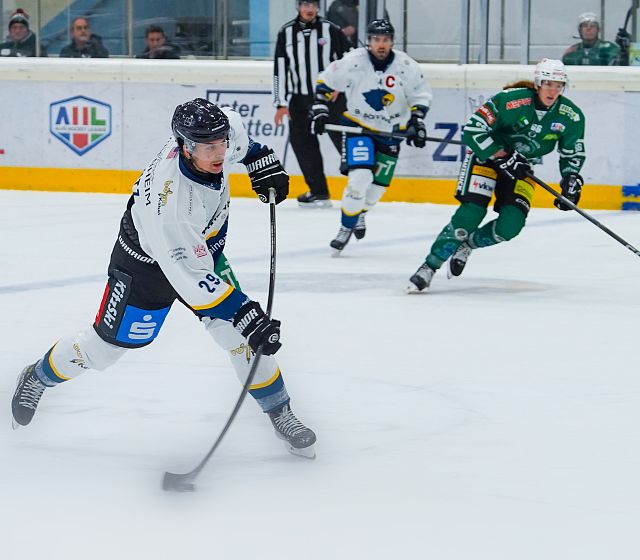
(378, 100)
(181, 221)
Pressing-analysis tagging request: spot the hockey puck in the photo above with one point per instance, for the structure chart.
(172, 482)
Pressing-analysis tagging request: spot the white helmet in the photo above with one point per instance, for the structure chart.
(588, 17)
(549, 69)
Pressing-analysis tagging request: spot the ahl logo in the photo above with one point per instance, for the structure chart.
(378, 98)
(80, 122)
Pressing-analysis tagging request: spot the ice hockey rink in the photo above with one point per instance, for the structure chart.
(496, 417)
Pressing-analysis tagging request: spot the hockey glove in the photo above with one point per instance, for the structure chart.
(571, 186)
(416, 130)
(318, 117)
(623, 39)
(252, 323)
(265, 172)
(513, 166)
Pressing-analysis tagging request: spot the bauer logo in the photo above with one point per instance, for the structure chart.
(80, 122)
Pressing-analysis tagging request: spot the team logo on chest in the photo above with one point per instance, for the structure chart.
(379, 98)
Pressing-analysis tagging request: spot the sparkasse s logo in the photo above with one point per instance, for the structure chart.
(80, 122)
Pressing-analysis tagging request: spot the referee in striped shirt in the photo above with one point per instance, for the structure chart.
(305, 46)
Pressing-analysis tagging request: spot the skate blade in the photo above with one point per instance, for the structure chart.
(412, 289)
(315, 205)
(335, 252)
(306, 452)
(15, 424)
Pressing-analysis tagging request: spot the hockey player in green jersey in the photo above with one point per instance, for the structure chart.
(504, 137)
(591, 50)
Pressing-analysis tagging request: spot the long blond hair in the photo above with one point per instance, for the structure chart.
(521, 84)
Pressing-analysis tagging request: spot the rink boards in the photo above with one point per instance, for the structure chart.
(92, 125)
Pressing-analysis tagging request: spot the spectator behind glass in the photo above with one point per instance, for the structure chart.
(157, 46)
(84, 44)
(20, 41)
(344, 13)
(591, 51)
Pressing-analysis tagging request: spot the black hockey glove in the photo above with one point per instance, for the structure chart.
(571, 186)
(623, 39)
(416, 132)
(513, 166)
(257, 328)
(265, 172)
(318, 117)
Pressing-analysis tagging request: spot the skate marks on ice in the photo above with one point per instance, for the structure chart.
(482, 286)
(331, 282)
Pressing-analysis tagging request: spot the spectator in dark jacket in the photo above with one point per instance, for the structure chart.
(83, 44)
(344, 13)
(157, 46)
(21, 41)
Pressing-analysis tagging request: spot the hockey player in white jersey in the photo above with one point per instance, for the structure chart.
(386, 92)
(170, 247)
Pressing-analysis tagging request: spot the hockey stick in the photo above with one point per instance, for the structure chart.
(398, 135)
(623, 37)
(584, 214)
(176, 482)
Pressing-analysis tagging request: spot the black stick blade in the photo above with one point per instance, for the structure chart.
(172, 482)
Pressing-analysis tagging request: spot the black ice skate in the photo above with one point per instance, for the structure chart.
(341, 240)
(458, 260)
(360, 229)
(310, 200)
(421, 279)
(25, 399)
(298, 439)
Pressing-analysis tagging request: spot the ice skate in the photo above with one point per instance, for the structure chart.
(310, 200)
(25, 399)
(341, 240)
(297, 438)
(458, 260)
(360, 229)
(421, 279)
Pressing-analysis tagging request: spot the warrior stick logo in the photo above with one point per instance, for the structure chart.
(80, 122)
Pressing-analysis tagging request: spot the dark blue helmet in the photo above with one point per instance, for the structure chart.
(380, 27)
(199, 121)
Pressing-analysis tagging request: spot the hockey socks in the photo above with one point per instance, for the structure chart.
(466, 219)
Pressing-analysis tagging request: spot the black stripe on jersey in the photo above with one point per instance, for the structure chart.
(302, 52)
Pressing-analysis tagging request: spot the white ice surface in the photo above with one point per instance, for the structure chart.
(497, 417)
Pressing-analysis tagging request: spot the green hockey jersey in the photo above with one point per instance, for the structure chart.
(509, 121)
(601, 53)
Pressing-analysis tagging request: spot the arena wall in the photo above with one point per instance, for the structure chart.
(92, 125)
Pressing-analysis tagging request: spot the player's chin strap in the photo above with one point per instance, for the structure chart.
(584, 214)
(184, 482)
(398, 135)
